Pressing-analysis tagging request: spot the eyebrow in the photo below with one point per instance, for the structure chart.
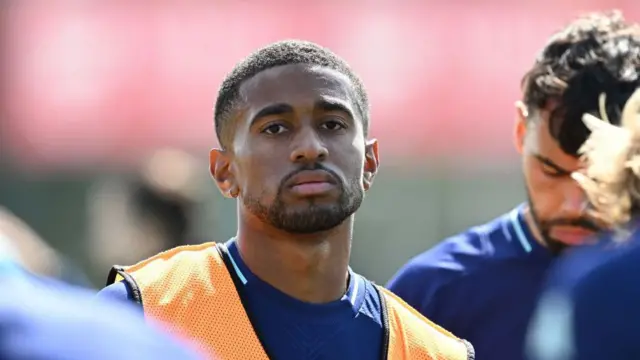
(329, 105)
(551, 164)
(270, 110)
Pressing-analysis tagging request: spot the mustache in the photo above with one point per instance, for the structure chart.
(311, 167)
(583, 223)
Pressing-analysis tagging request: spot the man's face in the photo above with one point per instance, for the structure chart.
(299, 160)
(557, 203)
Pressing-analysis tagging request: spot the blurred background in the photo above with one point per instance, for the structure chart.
(106, 116)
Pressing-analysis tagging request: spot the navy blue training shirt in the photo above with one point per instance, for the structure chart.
(481, 285)
(589, 309)
(350, 328)
(45, 319)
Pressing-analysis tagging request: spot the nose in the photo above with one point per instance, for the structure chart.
(308, 147)
(575, 201)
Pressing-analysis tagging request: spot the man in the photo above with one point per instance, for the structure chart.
(44, 319)
(482, 284)
(292, 122)
(589, 309)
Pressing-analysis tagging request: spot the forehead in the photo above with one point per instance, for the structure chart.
(295, 84)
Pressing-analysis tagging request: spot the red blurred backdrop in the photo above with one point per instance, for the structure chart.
(104, 82)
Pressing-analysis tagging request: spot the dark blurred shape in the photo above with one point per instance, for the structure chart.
(134, 218)
(165, 195)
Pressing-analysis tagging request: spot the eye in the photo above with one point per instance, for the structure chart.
(333, 125)
(274, 129)
(550, 171)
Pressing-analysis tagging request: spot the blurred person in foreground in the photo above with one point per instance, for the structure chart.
(292, 121)
(42, 318)
(482, 284)
(590, 307)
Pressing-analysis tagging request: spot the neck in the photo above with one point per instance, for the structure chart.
(309, 267)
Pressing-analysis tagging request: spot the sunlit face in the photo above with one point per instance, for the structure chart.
(557, 203)
(299, 160)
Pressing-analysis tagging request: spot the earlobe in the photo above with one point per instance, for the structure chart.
(371, 163)
(220, 167)
(520, 129)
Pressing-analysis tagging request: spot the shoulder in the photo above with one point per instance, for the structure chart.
(175, 262)
(602, 300)
(606, 284)
(574, 319)
(453, 258)
(181, 256)
(418, 331)
(168, 267)
(581, 263)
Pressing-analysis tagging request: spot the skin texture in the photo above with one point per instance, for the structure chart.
(557, 211)
(297, 124)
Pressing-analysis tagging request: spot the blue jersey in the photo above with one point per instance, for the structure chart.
(349, 328)
(481, 285)
(45, 319)
(589, 309)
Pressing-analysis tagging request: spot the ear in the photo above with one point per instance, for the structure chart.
(371, 162)
(520, 130)
(220, 167)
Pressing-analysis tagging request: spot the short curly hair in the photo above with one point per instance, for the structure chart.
(287, 52)
(597, 53)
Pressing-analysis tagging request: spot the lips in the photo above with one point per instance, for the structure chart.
(572, 236)
(311, 182)
(310, 177)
